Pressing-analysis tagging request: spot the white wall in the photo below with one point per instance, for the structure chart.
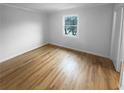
(95, 29)
(122, 82)
(116, 36)
(122, 68)
(122, 56)
(20, 31)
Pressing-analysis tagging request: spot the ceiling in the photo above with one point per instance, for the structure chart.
(48, 7)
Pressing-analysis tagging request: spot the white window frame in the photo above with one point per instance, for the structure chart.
(77, 34)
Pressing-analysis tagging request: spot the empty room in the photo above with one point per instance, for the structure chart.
(61, 46)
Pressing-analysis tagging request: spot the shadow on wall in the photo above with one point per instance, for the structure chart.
(21, 31)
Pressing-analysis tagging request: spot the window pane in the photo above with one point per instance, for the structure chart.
(71, 20)
(71, 30)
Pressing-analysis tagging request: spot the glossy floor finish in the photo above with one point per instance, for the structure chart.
(52, 67)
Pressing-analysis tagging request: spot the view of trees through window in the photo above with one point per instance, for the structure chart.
(70, 26)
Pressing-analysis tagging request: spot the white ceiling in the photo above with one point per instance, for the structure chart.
(48, 7)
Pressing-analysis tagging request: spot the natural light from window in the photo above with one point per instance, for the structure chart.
(70, 26)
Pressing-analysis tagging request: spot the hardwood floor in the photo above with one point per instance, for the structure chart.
(52, 67)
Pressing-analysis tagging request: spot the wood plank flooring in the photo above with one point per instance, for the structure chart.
(53, 67)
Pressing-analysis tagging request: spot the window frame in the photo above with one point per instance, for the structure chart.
(77, 34)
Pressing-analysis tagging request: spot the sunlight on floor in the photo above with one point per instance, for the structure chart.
(70, 66)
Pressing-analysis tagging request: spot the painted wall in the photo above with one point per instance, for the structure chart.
(122, 86)
(24, 30)
(122, 60)
(122, 72)
(20, 31)
(95, 29)
(116, 36)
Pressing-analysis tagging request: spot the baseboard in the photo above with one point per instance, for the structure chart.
(80, 50)
(5, 59)
(8, 58)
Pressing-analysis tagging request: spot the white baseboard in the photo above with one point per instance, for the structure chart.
(5, 59)
(80, 50)
(10, 57)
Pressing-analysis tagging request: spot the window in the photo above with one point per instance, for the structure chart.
(70, 25)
